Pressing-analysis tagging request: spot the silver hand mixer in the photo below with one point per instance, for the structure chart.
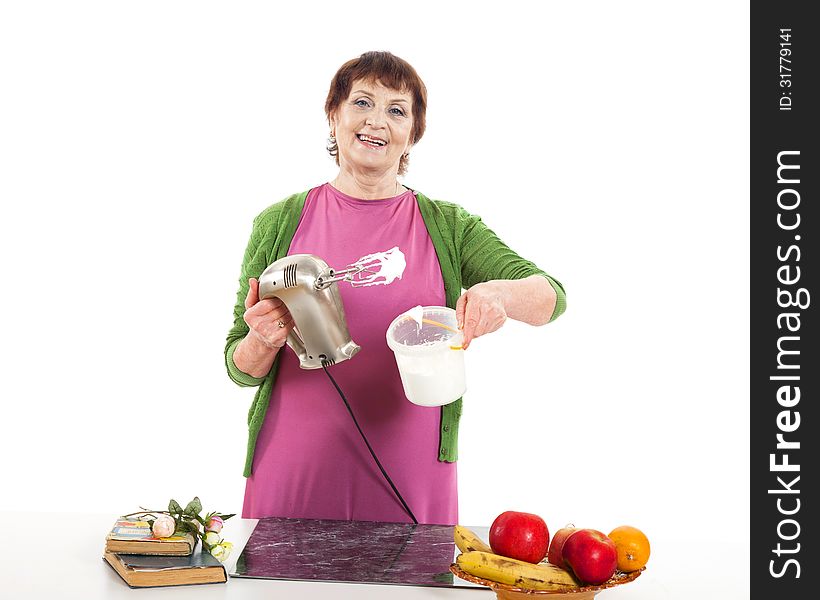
(306, 284)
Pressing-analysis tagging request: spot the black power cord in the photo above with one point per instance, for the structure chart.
(369, 447)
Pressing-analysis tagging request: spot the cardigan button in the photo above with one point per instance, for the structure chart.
(446, 428)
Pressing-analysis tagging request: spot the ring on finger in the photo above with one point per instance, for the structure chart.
(281, 323)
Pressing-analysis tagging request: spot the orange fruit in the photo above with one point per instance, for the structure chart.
(632, 546)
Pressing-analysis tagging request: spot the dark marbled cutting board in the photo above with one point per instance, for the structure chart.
(351, 551)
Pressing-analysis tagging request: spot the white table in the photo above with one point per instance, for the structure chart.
(59, 555)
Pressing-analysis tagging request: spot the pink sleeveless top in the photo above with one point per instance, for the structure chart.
(310, 461)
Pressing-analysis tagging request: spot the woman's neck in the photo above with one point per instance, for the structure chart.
(367, 186)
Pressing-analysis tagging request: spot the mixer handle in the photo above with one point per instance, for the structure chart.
(296, 343)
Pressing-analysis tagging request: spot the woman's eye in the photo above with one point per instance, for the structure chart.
(362, 102)
(397, 111)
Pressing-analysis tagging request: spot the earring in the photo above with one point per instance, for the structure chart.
(331, 146)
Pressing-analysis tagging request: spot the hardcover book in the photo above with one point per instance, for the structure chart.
(134, 536)
(140, 570)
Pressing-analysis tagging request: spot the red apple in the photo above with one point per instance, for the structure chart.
(520, 535)
(556, 545)
(591, 555)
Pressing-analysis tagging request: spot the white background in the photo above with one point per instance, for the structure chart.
(606, 141)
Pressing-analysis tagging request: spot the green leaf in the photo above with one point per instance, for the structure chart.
(226, 517)
(194, 507)
(188, 527)
(174, 507)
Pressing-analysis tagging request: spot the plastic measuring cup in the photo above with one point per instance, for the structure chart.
(427, 345)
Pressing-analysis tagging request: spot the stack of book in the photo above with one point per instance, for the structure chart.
(143, 560)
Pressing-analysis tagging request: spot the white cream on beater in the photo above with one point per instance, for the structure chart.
(380, 268)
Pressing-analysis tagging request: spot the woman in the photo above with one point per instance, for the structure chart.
(305, 457)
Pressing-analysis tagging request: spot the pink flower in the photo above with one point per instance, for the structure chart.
(164, 526)
(214, 524)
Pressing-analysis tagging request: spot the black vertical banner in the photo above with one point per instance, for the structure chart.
(785, 72)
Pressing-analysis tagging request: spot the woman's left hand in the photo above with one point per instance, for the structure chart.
(480, 310)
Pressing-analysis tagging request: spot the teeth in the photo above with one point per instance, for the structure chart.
(366, 138)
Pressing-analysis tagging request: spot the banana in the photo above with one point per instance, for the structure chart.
(501, 569)
(468, 541)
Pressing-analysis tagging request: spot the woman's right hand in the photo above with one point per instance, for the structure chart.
(269, 320)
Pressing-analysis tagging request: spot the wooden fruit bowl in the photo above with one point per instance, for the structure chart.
(508, 592)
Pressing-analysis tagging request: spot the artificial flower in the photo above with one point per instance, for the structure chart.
(188, 520)
(164, 526)
(222, 551)
(214, 524)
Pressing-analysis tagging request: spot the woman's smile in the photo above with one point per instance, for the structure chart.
(371, 142)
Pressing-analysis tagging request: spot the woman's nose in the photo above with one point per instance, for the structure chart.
(375, 120)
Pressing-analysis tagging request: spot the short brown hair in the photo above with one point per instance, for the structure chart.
(392, 72)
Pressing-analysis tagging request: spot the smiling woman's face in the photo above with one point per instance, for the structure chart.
(373, 127)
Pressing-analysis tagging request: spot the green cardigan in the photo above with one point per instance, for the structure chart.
(468, 253)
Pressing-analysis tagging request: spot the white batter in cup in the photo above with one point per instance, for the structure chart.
(427, 345)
